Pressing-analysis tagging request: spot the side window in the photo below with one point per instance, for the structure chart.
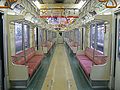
(18, 37)
(97, 34)
(27, 36)
(92, 36)
(54, 34)
(77, 36)
(100, 38)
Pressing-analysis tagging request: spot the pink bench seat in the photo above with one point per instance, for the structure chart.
(86, 65)
(32, 60)
(87, 60)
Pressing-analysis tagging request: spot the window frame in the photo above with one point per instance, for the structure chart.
(22, 32)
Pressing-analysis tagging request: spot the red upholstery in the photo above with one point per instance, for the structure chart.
(100, 59)
(86, 65)
(32, 61)
(33, 65)
(36, 59)
(20, 61)
(82, 57)
(87, 59)
(30, 71)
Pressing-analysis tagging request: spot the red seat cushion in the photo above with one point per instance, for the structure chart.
(100, 60)
(32, 65)
(82, 57)
(36, 59)
(30, 55)
(86, 65)
(30, 71)
(20, 61)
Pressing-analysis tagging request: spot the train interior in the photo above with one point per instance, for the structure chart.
(59, 44)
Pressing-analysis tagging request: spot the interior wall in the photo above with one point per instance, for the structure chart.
(12, 38)
(107, 40)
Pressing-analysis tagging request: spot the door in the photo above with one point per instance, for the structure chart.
(117, 64)
(1, 55)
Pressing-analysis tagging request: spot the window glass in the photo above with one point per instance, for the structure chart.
(92, 35)
(99, 37)
(77, 36)
(26, 36)
(41, 36)
(18, 37)
(54, 34)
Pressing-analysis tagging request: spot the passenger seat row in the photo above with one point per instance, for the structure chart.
(30, 58)
(90, 57)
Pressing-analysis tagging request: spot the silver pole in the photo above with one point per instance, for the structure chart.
(23, 42)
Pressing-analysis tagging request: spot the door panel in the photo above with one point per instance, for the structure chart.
(1, 55)
(117, 69)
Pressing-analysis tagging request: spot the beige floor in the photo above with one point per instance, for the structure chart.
(59, 75)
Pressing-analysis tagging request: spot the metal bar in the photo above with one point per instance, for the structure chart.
(23, 42)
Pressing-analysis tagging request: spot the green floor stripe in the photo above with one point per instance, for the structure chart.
(81, 83)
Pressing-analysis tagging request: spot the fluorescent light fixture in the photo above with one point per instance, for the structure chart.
(107, 13)
(80, 4)
(17, 8)
(37, 4)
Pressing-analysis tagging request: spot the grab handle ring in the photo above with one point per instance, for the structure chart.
(102, 0)
(114, 4)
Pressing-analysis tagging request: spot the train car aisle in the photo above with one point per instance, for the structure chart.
(59, 75)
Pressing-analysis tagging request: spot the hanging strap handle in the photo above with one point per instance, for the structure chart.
(102, 0)
(114, 4)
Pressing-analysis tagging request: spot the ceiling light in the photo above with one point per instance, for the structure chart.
(80, 4)
(37, 4)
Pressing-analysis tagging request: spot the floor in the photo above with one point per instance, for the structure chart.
(59, 76)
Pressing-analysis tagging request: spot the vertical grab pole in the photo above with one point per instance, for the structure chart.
(95, 39)
(23, 43)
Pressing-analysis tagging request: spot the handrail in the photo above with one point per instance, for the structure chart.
(114, 4)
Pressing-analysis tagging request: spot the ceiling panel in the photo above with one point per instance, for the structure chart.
(70, 1)
(55, 1)
(48, 1)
